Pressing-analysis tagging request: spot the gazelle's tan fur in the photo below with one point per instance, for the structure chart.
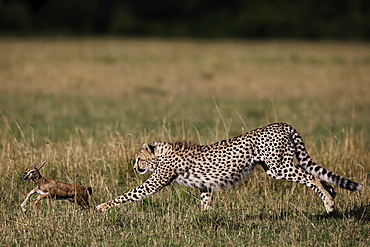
(51, 189)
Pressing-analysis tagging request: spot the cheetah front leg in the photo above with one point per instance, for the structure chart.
(207, 197)
(158, 180)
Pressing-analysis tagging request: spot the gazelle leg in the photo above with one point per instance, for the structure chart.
(39, 198)
(27, 198)
(82, 200)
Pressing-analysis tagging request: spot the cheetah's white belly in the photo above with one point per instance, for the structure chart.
(220, 181)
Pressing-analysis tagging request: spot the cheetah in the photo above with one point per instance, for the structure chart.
(224, 164)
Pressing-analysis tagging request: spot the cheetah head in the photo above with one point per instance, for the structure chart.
(145, 159)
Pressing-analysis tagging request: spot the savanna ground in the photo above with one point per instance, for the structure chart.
(87, 105)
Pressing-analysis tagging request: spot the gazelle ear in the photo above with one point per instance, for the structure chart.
(34, 165)
(42, 165)
(149, 147)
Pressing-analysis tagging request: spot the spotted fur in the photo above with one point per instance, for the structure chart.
(224, 164)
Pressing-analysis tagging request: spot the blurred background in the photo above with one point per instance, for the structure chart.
(304, 19)
(136, 64)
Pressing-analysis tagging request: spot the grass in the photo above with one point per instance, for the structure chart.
(86, 106)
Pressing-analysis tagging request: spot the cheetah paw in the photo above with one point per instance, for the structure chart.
(101, 208)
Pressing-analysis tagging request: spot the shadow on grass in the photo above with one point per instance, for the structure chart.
(361, 213)
(235, 221)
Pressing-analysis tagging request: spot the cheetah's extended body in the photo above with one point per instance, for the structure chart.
(226, 163)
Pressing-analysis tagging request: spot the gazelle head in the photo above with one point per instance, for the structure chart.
(33, 173)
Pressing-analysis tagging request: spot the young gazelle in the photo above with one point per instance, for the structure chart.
(51, 189)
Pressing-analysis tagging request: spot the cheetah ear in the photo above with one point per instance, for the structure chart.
(149, 147)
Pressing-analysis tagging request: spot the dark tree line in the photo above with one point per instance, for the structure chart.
(307, 19)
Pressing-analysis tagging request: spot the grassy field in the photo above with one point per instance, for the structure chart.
(87, 105)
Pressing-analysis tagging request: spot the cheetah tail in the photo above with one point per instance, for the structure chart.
(310, 166)
(331, 177)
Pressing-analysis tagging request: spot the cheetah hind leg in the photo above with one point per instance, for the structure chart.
(328, 188)
(321, 188)
(326, 193)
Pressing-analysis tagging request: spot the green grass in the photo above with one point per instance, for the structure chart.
(86, 106)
